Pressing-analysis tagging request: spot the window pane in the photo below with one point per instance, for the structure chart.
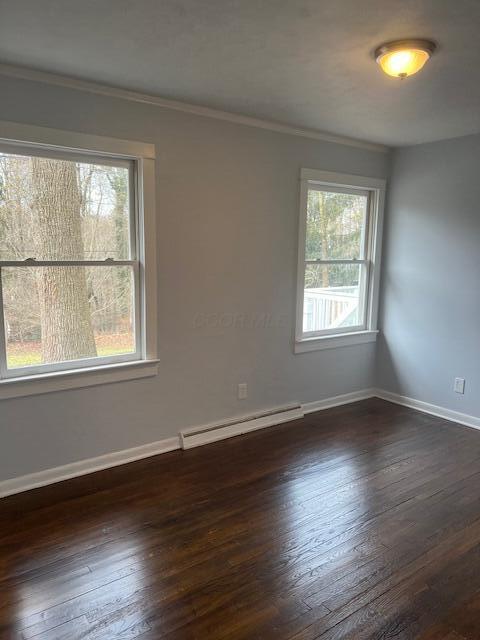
(332, 297)
(335, 225)
(60, 314)
(62, 210)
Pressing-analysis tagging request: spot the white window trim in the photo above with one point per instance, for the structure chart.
(376, 187)
(144, 156)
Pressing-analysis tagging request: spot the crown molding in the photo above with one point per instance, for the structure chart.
(36, 75)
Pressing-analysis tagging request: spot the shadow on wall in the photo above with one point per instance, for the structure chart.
(386, 374)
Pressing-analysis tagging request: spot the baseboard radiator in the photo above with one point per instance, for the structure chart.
(197, 436)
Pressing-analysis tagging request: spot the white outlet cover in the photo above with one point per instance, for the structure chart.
(242, 391)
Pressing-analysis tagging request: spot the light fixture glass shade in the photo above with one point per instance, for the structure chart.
(403, 59)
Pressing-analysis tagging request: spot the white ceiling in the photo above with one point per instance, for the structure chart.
(302, 62)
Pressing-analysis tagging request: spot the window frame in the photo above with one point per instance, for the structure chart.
(374, 188)
(140, 158)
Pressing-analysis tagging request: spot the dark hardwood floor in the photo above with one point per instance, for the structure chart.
(357, 522)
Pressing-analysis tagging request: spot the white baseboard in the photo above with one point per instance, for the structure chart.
(82, 467)
(336, 401)
(426, 407)
(208, 433)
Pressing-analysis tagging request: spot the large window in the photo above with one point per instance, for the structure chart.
(338, 257)
(72, 276)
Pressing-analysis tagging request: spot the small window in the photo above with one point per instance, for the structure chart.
(70, 261)
(338, 255)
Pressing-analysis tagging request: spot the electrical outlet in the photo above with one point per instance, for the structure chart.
(242, 391)
(459, 385)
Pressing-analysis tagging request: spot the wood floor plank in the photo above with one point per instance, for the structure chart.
(358, 522)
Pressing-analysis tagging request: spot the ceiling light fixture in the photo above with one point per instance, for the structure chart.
(403, 58)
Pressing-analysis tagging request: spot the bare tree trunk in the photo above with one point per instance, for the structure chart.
(67, 332)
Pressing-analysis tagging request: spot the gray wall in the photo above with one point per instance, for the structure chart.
(430, 311)
(227, 199)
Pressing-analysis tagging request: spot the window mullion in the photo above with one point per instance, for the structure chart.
(353, 261)
(134, 204)
(110, 262)
(365, 240)
(3, 346)
(364, 291)
(138, 312)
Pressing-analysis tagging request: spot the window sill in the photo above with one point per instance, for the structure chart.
(77, 378)
(334, 341)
